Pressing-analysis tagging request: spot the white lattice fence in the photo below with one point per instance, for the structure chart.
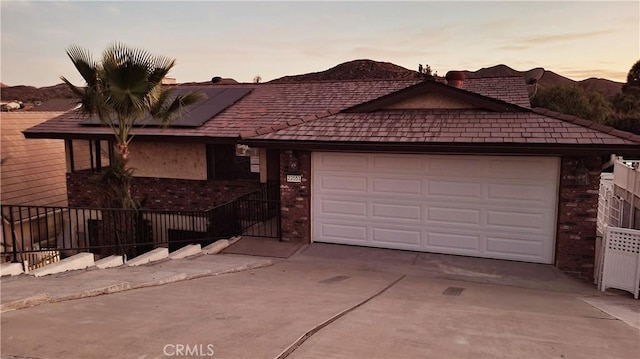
(621, 265)
(609, 206)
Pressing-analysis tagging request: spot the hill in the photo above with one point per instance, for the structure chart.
(549, 79)
(33, 94)
(354, 70)
(369, 69)
(351, 70)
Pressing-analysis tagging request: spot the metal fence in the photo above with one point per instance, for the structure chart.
(42, 235)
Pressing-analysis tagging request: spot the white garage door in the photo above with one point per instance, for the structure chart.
(485, 206)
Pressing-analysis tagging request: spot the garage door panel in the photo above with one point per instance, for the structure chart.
(454, 242)
(453, 216)
(410, 238)
(383, 185)
(453, 165)
(402, 212)
(507, 247)
(515, 167)
(343, 162)
(519, 221)
(344, 231)
(534, 194)
(344, 183)
(485, 206)
(399, 165)
(344, 207)
(448, 188)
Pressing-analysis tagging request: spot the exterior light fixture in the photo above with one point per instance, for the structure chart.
(582, 174)
(294, 165)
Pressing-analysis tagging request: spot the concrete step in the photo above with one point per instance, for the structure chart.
(11, 269)
(151, 256)
(78, 261)
(110, 262)
(219, 245)
(216, 247)
(186, 251)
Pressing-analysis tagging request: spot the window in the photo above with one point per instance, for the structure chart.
(223, 164)
(89, 155)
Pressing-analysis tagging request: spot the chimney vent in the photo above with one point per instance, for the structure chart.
(455, 78)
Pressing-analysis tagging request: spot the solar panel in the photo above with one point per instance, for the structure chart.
(214, 102)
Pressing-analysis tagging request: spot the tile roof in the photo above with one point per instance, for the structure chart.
(57, 105)
(311, 111)
(512, 89)
(267, 105)
(271, 106)
(33, 171)
(589, 124)
(448, 126)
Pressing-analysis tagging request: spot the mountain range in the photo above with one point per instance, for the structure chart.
(369, 69)
(352, 70)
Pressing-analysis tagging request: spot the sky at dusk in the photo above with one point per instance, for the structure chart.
(243, 39)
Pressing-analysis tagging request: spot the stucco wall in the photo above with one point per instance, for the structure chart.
(169, 160)
(430, 100)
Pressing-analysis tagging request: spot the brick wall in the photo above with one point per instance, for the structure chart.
(296, 198)
(577, 213)
(161, 193)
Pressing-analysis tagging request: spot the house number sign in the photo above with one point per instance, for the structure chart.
(294, 178)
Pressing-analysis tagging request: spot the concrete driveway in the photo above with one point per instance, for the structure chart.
(336, 302)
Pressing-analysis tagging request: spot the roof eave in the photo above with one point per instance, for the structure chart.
(139, 137)
(449, 147)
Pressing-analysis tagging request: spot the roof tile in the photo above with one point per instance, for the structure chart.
(311, 112)
(438, 126)
(33, 170)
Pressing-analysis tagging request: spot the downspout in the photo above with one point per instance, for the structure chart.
(611, 161)
(632, 211)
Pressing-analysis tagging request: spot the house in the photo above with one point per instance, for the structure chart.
(56, 105)
(463, 168)
(619, 199)
(33, 172)
(626, 186)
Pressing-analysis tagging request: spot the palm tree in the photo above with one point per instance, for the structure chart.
(123, 88)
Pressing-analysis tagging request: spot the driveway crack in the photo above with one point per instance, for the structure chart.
(291, 348)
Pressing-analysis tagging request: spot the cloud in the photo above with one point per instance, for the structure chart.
(388, 53)
(512, 47)
(581, 74)
(537, 39)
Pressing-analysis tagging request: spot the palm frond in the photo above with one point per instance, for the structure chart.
(80, 95)
(84, 63)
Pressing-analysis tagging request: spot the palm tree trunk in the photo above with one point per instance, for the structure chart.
(120, 220)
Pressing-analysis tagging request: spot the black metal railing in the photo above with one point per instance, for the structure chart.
(40, 234)
(259, 212)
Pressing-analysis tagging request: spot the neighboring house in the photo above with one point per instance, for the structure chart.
(57, 105)
(618, 242)
(620, 196)
(466, 168)
(32, 172)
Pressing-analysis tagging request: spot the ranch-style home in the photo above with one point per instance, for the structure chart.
(464, 167)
